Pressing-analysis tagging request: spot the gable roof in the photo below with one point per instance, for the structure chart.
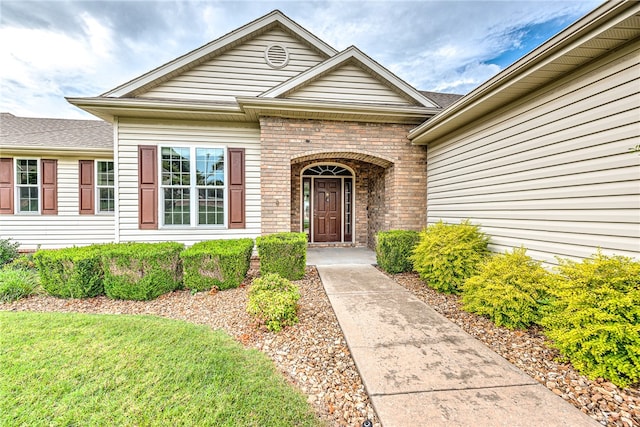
(350, 55)
(28, 133)
(229, 40)
(608, 27)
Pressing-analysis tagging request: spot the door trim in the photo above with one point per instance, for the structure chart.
(343, 200)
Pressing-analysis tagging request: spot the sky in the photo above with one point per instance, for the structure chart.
(54, 49)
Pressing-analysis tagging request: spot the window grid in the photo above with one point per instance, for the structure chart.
(105, 185)
(27, 181)
(210, 184)
(193, 177)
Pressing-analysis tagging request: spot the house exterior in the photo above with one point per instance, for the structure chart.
(270, 129)
(542, 155)
(56, 181)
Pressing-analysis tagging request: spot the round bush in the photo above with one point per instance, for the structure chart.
(594, 316)
(509, 288)
(448, 254)
(273, 300)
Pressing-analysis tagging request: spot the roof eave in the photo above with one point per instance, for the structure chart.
(109, 108)
(579, 32)
(256, 107)
(60, 151)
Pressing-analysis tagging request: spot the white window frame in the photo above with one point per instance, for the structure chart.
(97, 187)
(17, 186)
(193, 188)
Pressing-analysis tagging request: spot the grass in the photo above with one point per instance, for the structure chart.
(93, 370)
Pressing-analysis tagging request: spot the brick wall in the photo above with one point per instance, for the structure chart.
(386, 198)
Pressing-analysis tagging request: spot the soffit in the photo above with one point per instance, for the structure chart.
(595, 35)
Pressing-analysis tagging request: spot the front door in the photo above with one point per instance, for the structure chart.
(327, 213)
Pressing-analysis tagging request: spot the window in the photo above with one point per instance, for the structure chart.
(193, 186)
(105, 186)
(27, 185)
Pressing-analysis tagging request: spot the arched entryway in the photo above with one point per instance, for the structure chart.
(327, 202)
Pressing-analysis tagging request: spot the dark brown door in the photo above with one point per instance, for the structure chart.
(326, 210)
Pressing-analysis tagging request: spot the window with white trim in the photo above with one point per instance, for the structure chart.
(28, 185)
(105, 186)
(192, 186)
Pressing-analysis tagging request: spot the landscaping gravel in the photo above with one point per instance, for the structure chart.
(313, 354)
(527, 349)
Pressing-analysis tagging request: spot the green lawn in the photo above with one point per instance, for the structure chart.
(99, 370)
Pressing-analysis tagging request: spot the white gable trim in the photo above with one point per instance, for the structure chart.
(351, 53)
(268, 20)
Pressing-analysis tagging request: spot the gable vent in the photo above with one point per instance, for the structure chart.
(277, 56)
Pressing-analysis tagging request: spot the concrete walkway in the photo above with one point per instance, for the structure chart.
(421, 369)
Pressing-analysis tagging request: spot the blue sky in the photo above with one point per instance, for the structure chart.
(52, 49)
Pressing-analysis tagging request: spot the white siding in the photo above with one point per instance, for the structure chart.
(349, 83)
(242, 71)
(68, 228)
(133, 133)
(554, 171)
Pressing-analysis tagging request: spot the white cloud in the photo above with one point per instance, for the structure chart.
(86, 48)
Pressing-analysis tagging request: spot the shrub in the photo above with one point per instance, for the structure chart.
(23, 261)
(273, 300)
(8, 251)
(220, 263)
(448, 254)
(394, 248)
(284, 254)
(594, 316)
(141, 271)
(509, 288)
(70, 272)
(17, 283)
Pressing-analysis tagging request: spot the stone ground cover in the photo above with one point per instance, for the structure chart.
(314, 356)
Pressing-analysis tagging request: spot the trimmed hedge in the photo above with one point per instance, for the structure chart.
(71, 272)
(220, 263)
(509, 288)
(448, 254)
(141, 271)
(284, 254)
(273, 301)
(594, 316)
(394, 248)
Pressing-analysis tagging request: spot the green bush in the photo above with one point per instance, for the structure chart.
(17, 283)
(141, 271)
(284, 254)
(8, 251)
(273, 300)
(594, 316)
(394, 248)
(509, 288)
(448, 254)
(23, 261)
(220, 263)
(70, 272)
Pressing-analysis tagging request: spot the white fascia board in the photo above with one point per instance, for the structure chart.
(332, 107)
(137, 103)
(59, 151)
(349, 53)
(182, 61)
(580, 32)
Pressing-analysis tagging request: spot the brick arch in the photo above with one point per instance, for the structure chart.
(360, 155)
